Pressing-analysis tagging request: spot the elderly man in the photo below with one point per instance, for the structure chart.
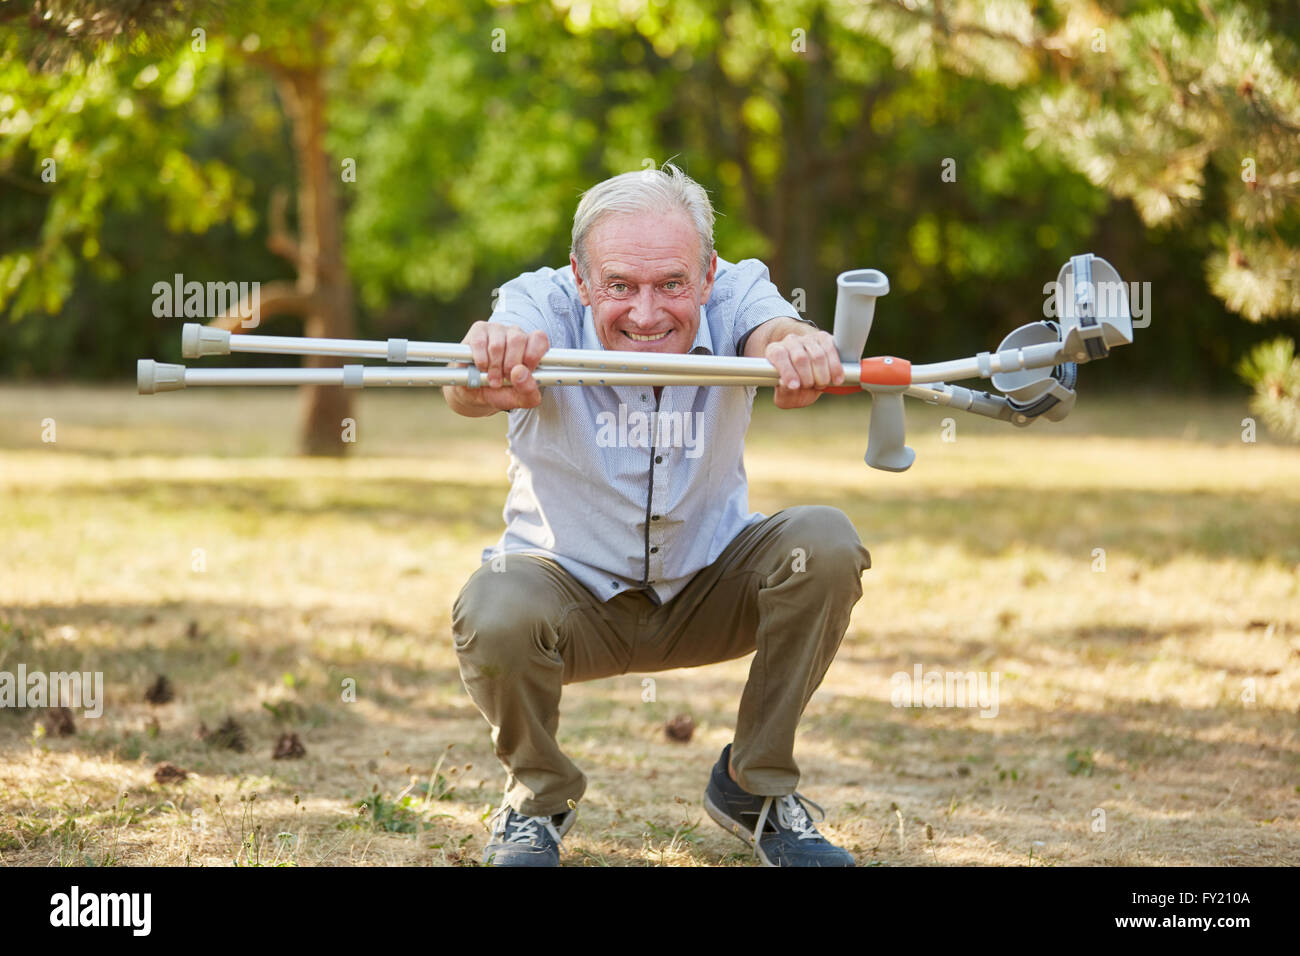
(632, 549)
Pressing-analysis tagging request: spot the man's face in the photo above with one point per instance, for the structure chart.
(646, 289)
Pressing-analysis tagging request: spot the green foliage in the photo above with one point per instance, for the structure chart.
(1274, 370)
(1175, 108)
(821, 131)
(401, 815)
(99, 142)
(1079, 762)
(1189, 110)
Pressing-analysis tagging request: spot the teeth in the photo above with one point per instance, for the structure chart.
(647, 338)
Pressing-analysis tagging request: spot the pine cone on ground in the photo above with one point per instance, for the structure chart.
(58, 721)
(169, 773)
(680, 728)
(160, 691)
(229, 735)
(288, 747)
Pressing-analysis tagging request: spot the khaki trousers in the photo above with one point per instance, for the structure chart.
(783, 588)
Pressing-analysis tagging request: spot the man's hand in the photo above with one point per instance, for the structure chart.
(804, 357)
(507, 357)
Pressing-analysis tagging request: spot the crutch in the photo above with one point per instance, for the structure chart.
(1035, 367)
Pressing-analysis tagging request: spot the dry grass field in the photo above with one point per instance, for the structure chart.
(1148, 710)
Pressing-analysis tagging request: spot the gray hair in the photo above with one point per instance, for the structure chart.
(649, 190)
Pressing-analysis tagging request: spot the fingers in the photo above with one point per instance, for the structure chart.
(812, 368)
(823, 348)
(523, 355)
(806, 361)
(520, 391)
(476, 338)
(525, 387)
(514, 352)
(805, 364)
(779, 355)
(537, 346)
(498, 348)
(787, 393)
(506, 356)
(496, 353)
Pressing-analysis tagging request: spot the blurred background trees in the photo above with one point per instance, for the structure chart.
(437, 149)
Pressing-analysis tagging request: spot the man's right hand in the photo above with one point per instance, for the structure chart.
(506, 356)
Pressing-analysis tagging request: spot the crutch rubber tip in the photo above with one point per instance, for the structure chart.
(200, 340)
(151, 377)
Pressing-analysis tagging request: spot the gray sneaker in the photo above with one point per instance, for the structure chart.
(518, 840)
(786, 835)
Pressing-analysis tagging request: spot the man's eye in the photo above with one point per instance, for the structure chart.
(618, 287)
(672, 285)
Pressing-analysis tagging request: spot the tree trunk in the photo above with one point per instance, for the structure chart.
(322, 273)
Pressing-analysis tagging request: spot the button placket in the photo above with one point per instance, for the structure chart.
(663, 459)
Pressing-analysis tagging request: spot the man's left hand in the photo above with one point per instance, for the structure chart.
(807, 362)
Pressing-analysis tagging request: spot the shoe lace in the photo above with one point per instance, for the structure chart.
(790, 814)
(517, 828)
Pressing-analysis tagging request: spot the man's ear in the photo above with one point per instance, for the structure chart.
(708, 279)
(583, 292)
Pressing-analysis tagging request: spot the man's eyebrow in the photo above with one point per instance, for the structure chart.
(610, 276)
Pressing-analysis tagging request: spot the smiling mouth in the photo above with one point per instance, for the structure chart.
(646, 338)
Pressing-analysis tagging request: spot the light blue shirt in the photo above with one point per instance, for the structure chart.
(621, 491)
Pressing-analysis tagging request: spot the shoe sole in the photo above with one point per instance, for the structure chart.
(735, 828)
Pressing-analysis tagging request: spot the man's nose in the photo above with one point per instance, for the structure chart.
(642, 312)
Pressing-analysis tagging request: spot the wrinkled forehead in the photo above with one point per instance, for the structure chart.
(647, 247)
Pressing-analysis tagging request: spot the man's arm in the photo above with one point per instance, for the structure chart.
(804, 356)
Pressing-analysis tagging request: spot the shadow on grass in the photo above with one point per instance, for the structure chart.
(370, 500)
(1153, 526)
(1091, 644)
(199, 645)
(1156, 526)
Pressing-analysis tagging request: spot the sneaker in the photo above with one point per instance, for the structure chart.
(518, 840)
(788, 837)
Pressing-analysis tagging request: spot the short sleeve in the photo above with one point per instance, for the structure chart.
(752, 298)
(545, 300)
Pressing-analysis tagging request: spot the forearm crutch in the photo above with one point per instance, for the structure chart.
(1035, 367)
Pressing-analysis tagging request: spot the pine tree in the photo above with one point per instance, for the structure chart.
(1190, 110)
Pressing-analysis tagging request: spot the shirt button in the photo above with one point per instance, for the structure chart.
(654, 550)
(659, 459)
(654, 517)
(643, 396)
(613, 584)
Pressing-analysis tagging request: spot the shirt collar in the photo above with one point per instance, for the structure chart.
(703, 340)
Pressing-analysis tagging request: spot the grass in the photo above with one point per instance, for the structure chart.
(1132, 575)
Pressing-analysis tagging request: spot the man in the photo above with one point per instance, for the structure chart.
(633, 549)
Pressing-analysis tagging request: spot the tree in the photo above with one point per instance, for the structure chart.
(831, 135)
(819, 154)
(102, 55)
(1190, 110)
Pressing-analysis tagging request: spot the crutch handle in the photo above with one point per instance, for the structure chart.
(885, 442)
(887, 378)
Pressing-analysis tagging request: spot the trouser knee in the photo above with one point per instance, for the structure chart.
(823, 544)
(499, 627)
